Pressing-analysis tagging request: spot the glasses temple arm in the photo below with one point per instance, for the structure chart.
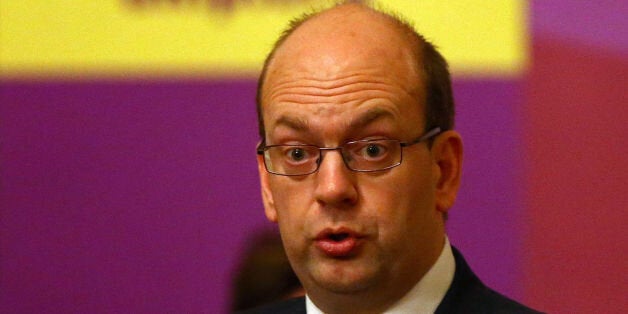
(431, 133)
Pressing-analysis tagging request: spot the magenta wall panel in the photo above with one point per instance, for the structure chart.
(576, 146)
(577, 177)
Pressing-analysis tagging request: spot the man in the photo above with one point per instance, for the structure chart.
(359, 165)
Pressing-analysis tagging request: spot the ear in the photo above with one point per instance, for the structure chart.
(267, 195)
(447, 153)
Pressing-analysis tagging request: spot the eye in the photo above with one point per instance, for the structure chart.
(373, 150)
(296, 154)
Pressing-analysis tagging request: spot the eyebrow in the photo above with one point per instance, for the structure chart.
(294, 123)
(371, 115)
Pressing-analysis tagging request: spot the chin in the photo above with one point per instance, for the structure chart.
(344, 277)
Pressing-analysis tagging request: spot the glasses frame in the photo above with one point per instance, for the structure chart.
(262, 148)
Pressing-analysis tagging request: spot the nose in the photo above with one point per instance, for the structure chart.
(335, 186)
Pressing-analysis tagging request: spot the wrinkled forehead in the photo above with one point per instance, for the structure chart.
(342, 60)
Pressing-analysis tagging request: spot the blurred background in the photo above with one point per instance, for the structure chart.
(128, 179)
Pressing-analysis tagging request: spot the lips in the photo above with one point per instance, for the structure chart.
(338, 243)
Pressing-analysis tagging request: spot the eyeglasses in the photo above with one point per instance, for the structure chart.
(360, 156)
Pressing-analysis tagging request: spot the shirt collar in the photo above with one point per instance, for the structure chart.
(426, 295)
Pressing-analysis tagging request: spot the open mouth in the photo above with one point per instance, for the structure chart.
(337, 237)
(338, 243)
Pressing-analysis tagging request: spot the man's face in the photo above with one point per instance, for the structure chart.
(350, 232)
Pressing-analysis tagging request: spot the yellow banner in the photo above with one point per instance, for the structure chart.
(137, 38)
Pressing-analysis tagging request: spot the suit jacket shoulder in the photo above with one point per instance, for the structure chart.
(290, 306)
(468, 294)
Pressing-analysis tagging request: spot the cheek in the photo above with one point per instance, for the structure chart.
(290, 222)
(291, 205)
(404, 204)
(290, 196)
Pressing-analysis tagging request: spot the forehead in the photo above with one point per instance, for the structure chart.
(343, 58)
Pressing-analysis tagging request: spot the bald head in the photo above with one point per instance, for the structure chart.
(328, 39)
(344, 33)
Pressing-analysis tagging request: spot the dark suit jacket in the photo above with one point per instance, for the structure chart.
(467, 294)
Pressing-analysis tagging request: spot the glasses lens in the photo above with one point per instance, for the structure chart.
(291, 159)
(368, 155)
(372, 155)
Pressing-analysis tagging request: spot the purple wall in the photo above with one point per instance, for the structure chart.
(124, 197)
(486, 220)
(138, 196)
